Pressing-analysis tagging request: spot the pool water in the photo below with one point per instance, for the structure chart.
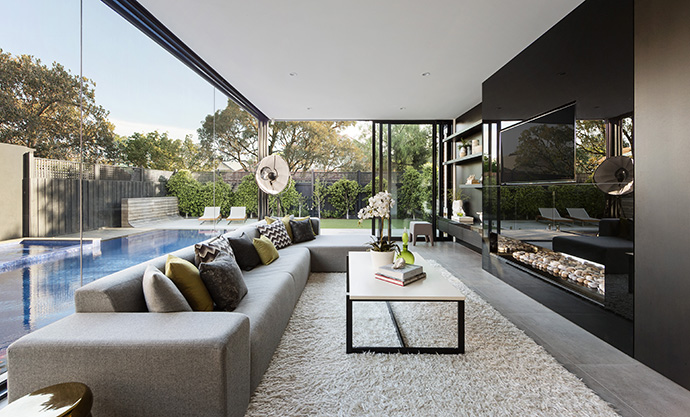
(41, 293)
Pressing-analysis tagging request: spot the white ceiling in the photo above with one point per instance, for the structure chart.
(359, 59)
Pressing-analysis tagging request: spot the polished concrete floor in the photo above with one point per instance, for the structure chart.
(631, 387)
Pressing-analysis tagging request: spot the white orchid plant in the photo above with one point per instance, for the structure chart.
(379, 206)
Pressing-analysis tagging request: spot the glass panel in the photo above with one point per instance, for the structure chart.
(411, 174)
(39, 130)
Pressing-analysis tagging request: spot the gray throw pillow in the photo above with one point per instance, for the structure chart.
(301, 230)
(161, 294)
(224, 281)
(245, 254)
(208, 251)
(277, 233)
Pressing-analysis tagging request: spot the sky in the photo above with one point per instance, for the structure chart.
(142, 86)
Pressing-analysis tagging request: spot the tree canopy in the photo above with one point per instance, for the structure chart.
(39, 109)
(154, 150)
(304, 144)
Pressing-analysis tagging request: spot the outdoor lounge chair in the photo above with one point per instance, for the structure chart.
(237, 214)
(552, 215)
(581, 215)
(211, 214)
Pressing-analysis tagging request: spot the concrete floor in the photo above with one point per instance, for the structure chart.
(631, 387)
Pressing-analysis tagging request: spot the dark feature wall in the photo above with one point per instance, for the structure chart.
(662, 178)
(586, 58)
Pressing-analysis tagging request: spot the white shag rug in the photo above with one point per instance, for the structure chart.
(502, 373)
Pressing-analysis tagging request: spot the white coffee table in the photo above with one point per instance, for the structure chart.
(362, 286)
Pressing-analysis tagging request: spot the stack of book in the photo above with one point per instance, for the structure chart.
(403, 276)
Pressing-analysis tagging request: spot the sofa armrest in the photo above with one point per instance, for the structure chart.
(153, 364)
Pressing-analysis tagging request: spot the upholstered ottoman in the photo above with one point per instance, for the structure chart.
(422, 228)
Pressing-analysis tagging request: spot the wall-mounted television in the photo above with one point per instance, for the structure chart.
(541, 149)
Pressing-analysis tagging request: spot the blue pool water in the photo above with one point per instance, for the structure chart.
(41, 293)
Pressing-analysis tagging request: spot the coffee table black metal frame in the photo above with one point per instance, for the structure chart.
(403, 348)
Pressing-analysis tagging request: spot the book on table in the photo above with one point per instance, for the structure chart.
(400, 282)
(405, 272)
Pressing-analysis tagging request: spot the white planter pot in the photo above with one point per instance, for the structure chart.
(381, 258)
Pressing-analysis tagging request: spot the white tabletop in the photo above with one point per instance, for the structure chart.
(363, 285)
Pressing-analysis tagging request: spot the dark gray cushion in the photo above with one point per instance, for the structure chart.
(301, 231)
(224, 281)
(208, 251)
(161, 294)
(246, 255)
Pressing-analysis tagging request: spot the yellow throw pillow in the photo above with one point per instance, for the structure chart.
(266, 249)
(286, 222)
(186, 278)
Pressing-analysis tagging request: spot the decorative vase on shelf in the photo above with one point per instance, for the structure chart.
(406, 254)
(381, 258)
(463, 152)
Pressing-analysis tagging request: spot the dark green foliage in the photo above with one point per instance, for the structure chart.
(343, 196)
(523, 202)
(411, 194)
(193, 196)
(247, 195)
(366, 190)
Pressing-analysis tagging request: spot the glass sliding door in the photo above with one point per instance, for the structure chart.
(403, 155)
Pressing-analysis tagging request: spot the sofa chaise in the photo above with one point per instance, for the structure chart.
(139, 363)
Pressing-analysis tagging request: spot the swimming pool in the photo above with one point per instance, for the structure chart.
(41, 293)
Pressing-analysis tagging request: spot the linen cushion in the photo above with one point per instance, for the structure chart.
(186, 278)
(161, 294)
(267, 251)
(301, 230)
(206, 252)
(224, 281)
(277, 233)
(244, 251)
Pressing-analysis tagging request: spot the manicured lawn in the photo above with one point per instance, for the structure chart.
(352, 224)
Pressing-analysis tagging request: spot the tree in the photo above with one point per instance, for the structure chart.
(367, 192)
(304, 145)
(410, 194)
(343, 196)
(410, 146)
(247, 194)
(591, 145)
(319, 196)
(153, 151)
(39, 108)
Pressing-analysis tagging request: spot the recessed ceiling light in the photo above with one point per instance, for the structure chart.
(402, 108)
(426, 74)
(293, 74)
(308, 108)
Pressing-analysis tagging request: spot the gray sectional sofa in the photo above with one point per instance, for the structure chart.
(172, 364)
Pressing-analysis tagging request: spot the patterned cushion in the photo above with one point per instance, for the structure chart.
(277, 233)
(285, 220)
(206, 252)
(224, 281)
(301, 230)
